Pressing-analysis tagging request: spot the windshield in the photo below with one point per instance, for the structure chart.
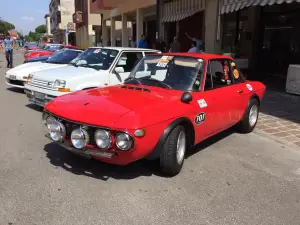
(63, 56)
(97, 58)
(173, 72)
(51, 48)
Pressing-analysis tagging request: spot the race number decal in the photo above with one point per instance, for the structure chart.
(250, 88)
(236, 74)
(163, 62)
(202, 103)
(200, 118)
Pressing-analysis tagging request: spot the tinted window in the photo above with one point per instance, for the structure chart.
(218, 74)
(63, 56)
(176, 72)
(128, 60)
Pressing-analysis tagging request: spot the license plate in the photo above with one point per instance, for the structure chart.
(12, 77)
(39, 95)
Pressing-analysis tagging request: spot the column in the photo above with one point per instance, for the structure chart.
(124, 31)
(139, 24)
(212, 45)
(113, 31)
(104, 33)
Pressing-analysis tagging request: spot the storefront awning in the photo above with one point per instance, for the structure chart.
(180, 9)
(227, 6)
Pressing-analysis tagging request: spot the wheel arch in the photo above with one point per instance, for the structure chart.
(255, 96)
(184, 121)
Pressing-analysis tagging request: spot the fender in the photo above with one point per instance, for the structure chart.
(254, 96)
(160, 144)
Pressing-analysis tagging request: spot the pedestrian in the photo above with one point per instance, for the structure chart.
(194, 47)
(161, 45)
(143, 43)
(198, 41)
(8, 50)
(175, 46)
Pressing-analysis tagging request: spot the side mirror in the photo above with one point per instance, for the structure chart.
(119, 70)
(186, 97)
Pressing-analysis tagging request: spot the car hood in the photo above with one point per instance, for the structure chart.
(67, 72)
(119, 107)
(28, 68)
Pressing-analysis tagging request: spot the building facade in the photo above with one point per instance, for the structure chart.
(61, 12)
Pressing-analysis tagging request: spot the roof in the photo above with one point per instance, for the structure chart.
(127, 48)
(204, 56)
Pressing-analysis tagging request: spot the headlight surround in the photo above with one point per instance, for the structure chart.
(59, 84)
(103, 139)
(56, 129)
(124, 141)
(79, 138)
(30, 77)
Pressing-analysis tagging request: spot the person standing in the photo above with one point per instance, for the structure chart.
(8, 49)
(161, 45)
(194, 47)
(143, 43)
(198, 41)
(175, 46)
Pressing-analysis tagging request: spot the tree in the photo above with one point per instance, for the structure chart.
(41, 29)
(5, 27)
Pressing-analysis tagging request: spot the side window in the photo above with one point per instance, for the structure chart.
(236, 74)
(128, 60)
(218, 74)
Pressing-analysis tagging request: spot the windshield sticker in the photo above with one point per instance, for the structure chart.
(200, 60)
(250, 88)
(200, 118)
(236, 74)
(97, 51)
(202, 103)
(163, 62)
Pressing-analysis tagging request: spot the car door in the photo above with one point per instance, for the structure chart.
(242, 90)
(218, 95)
(125, 64)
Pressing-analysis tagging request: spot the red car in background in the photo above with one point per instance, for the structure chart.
(50, 49)
(167, 105)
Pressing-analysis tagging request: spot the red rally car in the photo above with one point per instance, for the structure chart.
(47, 51)
(168, 104)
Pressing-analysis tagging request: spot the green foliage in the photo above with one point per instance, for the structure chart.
(33, 36)
(5, 27)
(41, 29)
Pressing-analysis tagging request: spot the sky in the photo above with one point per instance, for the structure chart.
(26, 15)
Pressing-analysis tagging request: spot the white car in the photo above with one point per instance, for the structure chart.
(95, 67)
(17, 76)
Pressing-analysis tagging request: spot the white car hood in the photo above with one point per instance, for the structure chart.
(65, 73)
(28, 68)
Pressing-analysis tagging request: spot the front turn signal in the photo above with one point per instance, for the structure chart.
(25, 78)
(64, 90)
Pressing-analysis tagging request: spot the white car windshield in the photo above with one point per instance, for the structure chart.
(96, 58)
(172, 72)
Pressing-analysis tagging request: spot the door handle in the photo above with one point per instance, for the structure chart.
(240, 91)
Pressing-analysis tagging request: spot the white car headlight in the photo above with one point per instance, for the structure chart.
(30, 77)
(79, 138)
(59, 84)
(103, 139)
(56, 129)
(124, 142)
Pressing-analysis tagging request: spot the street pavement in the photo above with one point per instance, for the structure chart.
(229, 179)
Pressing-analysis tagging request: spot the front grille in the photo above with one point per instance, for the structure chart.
(42, 83)
(16, 82)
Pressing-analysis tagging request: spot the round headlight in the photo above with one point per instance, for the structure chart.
(79, 138)
(124, 141)
(103, 139)
(56, 130)
(44, 118)
(49, 121)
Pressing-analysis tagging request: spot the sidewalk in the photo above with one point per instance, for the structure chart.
(280, 116)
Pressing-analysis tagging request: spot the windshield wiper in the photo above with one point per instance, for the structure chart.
(133, 78)
(152, 79)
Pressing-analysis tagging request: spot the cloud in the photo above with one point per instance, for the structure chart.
(27, 18)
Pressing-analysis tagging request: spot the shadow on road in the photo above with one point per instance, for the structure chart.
(35, 107)
(60, 157)
(16, 90)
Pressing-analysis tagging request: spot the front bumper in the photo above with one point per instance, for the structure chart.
(15, 83)
(38, 98)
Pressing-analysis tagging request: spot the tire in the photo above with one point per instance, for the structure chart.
(246, 125)
(171, 160)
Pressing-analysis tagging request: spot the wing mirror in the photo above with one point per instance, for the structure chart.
(186, 97)
(119, 70)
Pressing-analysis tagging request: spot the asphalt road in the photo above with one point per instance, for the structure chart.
(230, 179)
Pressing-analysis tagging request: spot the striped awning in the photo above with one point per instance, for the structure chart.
(227, 6)
(177, 10)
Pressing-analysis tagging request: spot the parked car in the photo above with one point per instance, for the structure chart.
(37, 59)
(31, 46)
(17, 76)
(96, 67)
(168, 104)
(47, 51)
